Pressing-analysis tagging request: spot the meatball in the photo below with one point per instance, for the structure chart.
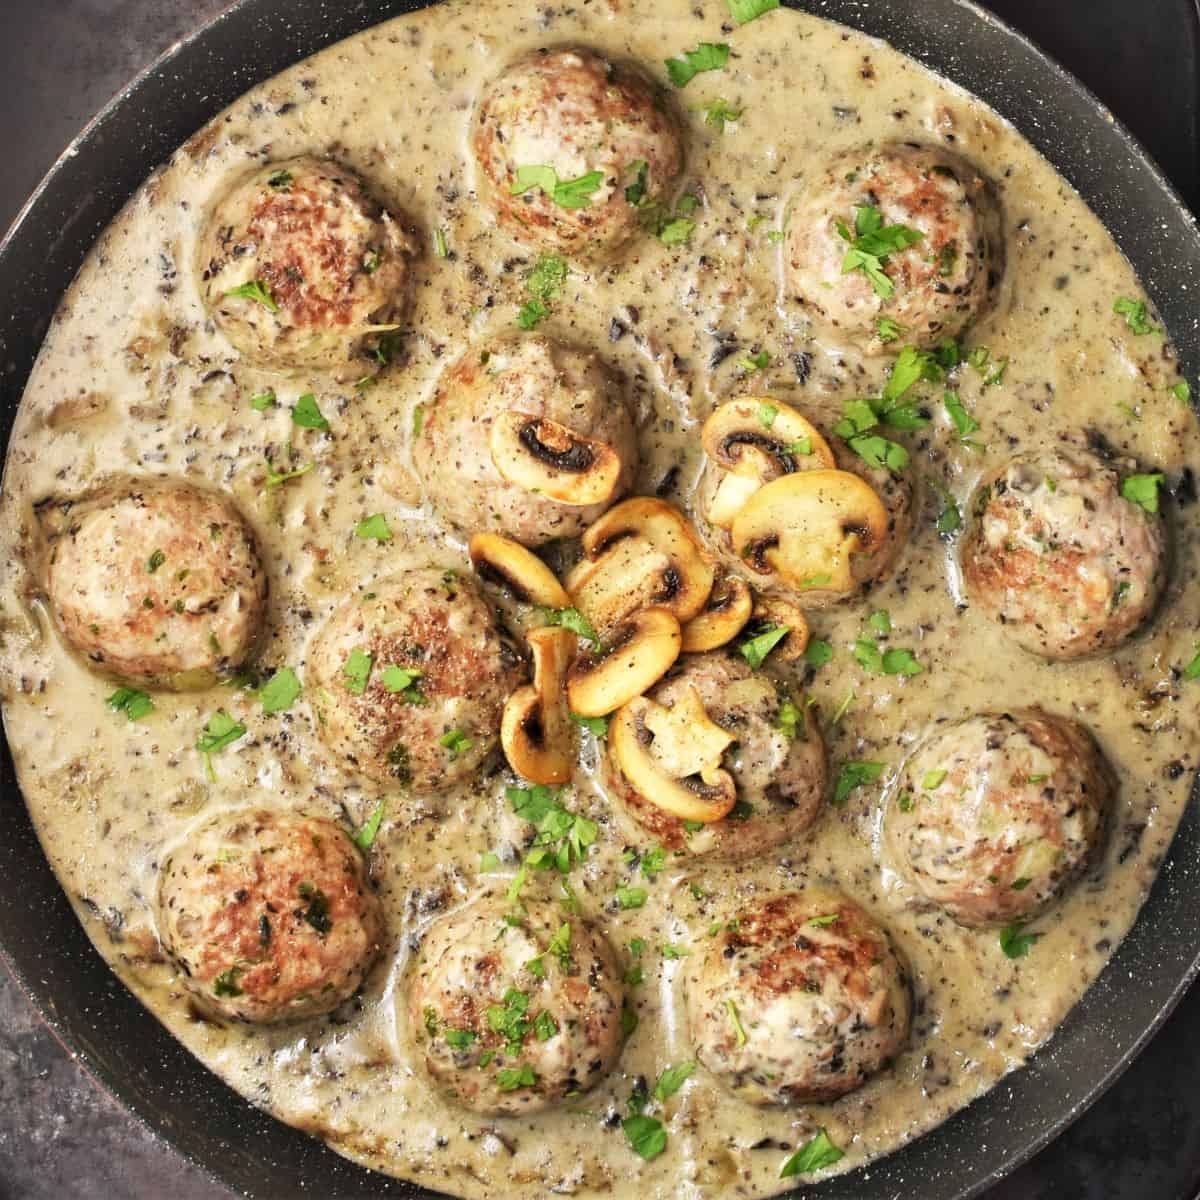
(158, 583)
(604, 139)
(410, 680)
(298, 262)
(458, 453)
(931, 288)
(511, 1013)
(778, 762)
(801, 998)
(269, 915)
(1059, 557)
(995, 815)
(894, 490)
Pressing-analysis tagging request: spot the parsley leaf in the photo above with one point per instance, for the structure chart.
(572, 619)
(221, 731)
(510, 1079)
(755, 362)
(1134, 312)
(357, 670)
(263, 400)
(1014, 943)
(566, 193)
(456, 742)
(544, 281)
(374, 528)
(255, 290)
(402, 681)
(755, 650)
(818, 652)
(743, 11)
(631, 897)
(596, 726)
(1190, 672)
(155, 561)
(279, 693)
(871, 244)
(364, 839)
(706, 57)
(739, 1031)
(1142, 490)
(790, 718)
(720, 111)
(646, 1135)
(853, 775)
(635, 192)
(672, 1079)
(889, 330)
(812, 1156)
(1182, 391)
(307, 415)
(133, 703)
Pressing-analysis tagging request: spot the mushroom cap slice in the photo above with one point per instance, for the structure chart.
(498, 559)
(672, 757)
(755, 440)
(535, 729)
(636, 656)
(549, 459)
(643, 552)
(729, 607)
(803, 528)
(777, 611)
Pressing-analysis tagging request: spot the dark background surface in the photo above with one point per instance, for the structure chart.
(60, 1135)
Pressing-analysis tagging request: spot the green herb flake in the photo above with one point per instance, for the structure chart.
(279, 693)
(402, 681)
(671, 951)
(672, 1079)
(757, 362)
(853, 775)
(263, 401)
(357, 671)
(596, 726)
(901, 662)
(823, 920)
(1134, 312)
(933, 779)
(459, 1039)
(767, 413)
(790, 719)
(1182, 391)
(1014, 942)
(719, 113)
(676, 231)
(706, 57)
(743, 11)
(307, 415)
(511, 1079)
(280, 181)
(631, 897)
(871, 244)
(364, 839)
(133, 703)
(646, 1135)
(155, 561)
(275, 478)
(566, 193)
(226, 984)
(571, 619)
(635, 192)
(880, 621)
(755, 649)
(1142, 490)
(255, 290)
(735, 1020)
(456, 742)
(818, 652)
(440, 248)
(1190, 673)
(815, 1154)
(889, 330)
(221, 731)
(374, 529)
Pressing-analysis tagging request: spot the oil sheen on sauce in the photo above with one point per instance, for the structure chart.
(131, 379)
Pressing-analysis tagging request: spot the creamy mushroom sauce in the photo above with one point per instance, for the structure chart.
(133, 379)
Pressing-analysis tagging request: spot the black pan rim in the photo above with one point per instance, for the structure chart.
(906, 30)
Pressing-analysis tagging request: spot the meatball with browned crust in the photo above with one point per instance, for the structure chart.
(518, 435)
(1059, 557)
(512, 1012)
(299, 263)
(994, 816)
(800, 998)
(158, 583)
(906, 233)
(268, 915)
(577, 149)
(409, 680)
(777, 761)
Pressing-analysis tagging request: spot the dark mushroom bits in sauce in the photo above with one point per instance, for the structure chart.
(602, 600)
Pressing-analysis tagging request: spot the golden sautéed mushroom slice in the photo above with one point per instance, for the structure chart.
(552, 460)
(536, 727)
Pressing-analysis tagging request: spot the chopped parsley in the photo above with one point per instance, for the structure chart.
(155, 561)
(1014, 942)
(562, 838)
(279, 693)
(317, 912)
(635, 192)
(672, 1079)
(374, 529)
(307, 415)
(566, 193)
(544, 281)
(880, 621)
(889, 330)
(263, 401)
(596, 726)
(459, 1039)
(933, 779)
(439, 244)
(221, 731)
(509, 1019)
(631, 897)
(456, 742)
(226, 984)
(133, 703)
(1142, 490)
(510, 1079)
(964, 423)
(1190, 672)
(818, 652)
(767, 414)
(755, 362)
(571, 619)
(364, 839)
(790, 719)
(280, 181)
(823, 920)
(755, 649)
(739, 1031)
(670, 950)
(1134, 312)
(418, 421)
(705, 57)
(871, 244)
(403, 681)
(721, 111)
(816, 1153)
(560, 945)
(949, 520)
(646, 1135)
(853, 775)
(743, 11)
(1182, 391)
(544, 1027)
(255, 290)
(357, 671)
(893, 661)
(275, 478)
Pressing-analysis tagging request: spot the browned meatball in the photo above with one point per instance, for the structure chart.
(269, 915)
(1060, 558)
(460, 459)
(777, 761)
(599, 126)
(297, 262)
(995, 815)
(931, 288)
(410, 680)
(800, 998)
(158, 583)
(513, 1015)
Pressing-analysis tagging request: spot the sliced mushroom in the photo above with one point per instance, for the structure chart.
(641, 553)
(753, 441)
(635, 657)
(776, 611)
(803, 529)
(535, 730)
(549, 459)
(729, 607)
(502, 561)
(672, 757)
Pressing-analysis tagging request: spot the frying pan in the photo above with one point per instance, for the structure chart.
(46, 948)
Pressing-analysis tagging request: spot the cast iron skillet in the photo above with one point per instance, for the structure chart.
(45, 946)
